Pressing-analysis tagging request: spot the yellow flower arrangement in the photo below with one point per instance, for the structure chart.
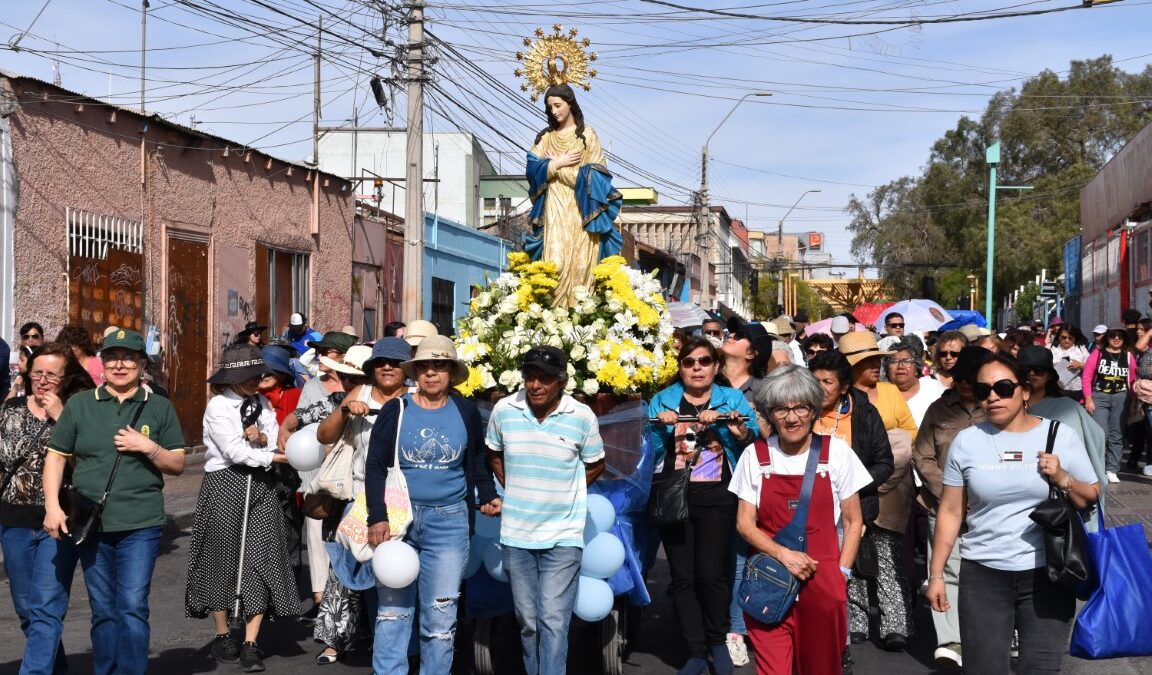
(618, 335)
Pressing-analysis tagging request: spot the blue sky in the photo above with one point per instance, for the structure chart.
(846, 113)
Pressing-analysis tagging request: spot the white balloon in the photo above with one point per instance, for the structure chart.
(494, 562)
(304, 452)
(395, 563)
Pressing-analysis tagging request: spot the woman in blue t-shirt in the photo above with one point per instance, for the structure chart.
(997, 473)
(437, 439)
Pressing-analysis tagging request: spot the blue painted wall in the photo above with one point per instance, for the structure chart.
(462, 255)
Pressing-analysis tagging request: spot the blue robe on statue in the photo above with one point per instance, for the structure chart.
(598, 201)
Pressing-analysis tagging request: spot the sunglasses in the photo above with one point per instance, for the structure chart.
(952, 355)
(693, 361)
(542, 356)
(895, 325)
(31, 336)
(813, 351)
(438, 366)
(1003, 389)
(714, 333)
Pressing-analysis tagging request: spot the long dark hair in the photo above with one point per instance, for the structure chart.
(566, 94)
(76, 378)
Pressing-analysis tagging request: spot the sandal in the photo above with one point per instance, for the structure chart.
(324, 658)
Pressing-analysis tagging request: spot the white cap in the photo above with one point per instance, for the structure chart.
(1100, 329)
(297, 319)
(840, 325)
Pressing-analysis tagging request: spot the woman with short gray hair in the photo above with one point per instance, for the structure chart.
(768, 480)
(903, 368)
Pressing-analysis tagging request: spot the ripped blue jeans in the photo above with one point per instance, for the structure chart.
(440, 535)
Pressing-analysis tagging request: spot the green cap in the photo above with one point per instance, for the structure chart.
(124, 339)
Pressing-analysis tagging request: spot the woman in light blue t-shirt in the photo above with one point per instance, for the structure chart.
(997, 473)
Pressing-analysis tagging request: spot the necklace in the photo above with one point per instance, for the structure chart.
(1011, 455)
(699, 407)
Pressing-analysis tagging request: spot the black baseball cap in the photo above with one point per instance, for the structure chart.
(549, 359)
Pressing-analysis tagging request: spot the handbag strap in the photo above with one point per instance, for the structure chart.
(1053, 425)
(800, 518)
(120, 455)
(396, 447)
(12, 473)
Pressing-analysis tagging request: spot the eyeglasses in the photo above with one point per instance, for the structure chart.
(802, 412)
(813, 351)
(437, 365)
(388, 363)
(902, 362)
(895, 325)
(1065, 337)
(50, 378)
(693, 361)
(1037, 371)
(30, 336)
(714, 333)
(1003, 389)
(947, 354)
(123, 360)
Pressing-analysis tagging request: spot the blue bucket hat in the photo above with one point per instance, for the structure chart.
(391, 348)
(277, 360)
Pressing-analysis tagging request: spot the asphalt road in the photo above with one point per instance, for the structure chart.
(180, 645)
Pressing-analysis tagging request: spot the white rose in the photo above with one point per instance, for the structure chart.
(578, 353)
(511, 380)
(591, 387)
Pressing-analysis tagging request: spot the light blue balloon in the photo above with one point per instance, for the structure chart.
(487, 527)
(494, 561)
(601, 515)
(476, 549)
(603, 555)
(593, 599)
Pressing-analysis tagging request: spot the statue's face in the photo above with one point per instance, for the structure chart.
(559, 109)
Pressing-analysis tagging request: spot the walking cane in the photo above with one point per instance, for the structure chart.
(249, 414)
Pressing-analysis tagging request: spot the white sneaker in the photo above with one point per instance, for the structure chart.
(948, 657)
(1112, 477)
(737, 649)
(1148, 469)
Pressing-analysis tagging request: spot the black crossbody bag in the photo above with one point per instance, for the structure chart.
(1065, 540)
(84, 512)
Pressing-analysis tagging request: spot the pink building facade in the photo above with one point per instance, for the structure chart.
(111, 218)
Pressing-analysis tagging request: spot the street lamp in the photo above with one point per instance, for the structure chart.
(780, 247)
(705, 207)
(992, 158)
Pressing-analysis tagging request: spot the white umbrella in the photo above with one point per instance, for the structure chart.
(687, 314)
(920, 316)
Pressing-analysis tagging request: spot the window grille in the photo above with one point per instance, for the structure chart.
(90, 235)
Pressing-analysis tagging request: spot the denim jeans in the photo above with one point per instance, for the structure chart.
(40, 571)
(440, 536)
(543, 591)
(739, 555)
(993, 602)
(118, 572)
(1111, 413)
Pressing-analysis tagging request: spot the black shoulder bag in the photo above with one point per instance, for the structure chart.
(668, 503)
(84, 512)
(1065, 540)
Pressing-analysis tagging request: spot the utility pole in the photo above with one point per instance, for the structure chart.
(780, 251)
(992, 157)
(414, 176)
(316, 95)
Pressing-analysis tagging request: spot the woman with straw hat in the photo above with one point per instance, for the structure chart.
(435, 437)
(238, 514)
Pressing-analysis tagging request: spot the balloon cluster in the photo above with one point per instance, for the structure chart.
(603, 556)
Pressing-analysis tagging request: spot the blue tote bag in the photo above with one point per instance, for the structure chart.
(1114, 621)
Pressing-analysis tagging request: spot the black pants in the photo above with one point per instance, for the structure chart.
(993, 602)
(701, 584)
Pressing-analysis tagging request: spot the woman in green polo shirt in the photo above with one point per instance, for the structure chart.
(94, 431)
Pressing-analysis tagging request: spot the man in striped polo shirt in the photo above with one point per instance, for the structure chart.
(545, 449)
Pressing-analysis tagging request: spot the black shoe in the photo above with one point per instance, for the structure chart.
(251, 658)
(225, 649)
(895, 642)
(846, 663)
(858, 638)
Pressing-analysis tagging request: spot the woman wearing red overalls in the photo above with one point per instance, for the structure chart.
(767, 480)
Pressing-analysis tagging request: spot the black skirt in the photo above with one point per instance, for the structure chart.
(214, 553)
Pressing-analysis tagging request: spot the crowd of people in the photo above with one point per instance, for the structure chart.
(931, 449)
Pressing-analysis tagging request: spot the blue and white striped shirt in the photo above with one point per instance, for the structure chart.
(545, 493)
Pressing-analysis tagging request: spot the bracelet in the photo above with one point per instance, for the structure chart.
(939, 578)
(1066, 484)
(847, 571)
(152, 455)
